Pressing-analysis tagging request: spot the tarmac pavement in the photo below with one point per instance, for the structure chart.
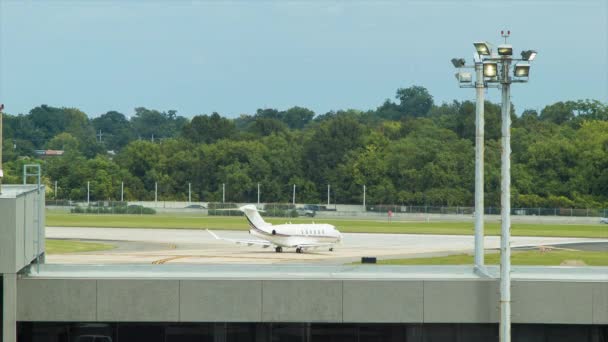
(189, 246)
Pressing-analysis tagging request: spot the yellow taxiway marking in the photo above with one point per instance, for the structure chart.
(162, 261)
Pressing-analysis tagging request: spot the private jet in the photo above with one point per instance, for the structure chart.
(302, 237)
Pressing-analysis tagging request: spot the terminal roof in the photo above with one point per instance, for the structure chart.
(303, 272)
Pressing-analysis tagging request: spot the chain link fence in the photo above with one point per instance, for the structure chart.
(588, 212)
(298, 210)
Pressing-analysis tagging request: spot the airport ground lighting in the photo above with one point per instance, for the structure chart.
(494, 70)
(465, 80)
(528, 55)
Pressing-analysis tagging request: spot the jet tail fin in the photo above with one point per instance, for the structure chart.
(253, 217)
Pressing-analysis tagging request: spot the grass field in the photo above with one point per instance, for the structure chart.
(67, 246)
(346, 226)
(551, 258)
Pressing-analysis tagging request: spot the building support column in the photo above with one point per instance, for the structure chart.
(9, 308)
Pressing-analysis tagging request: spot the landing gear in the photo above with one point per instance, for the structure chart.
(278, 249)
(299, 250)
(331, 249)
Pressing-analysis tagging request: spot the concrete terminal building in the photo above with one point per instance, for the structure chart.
(52, 302)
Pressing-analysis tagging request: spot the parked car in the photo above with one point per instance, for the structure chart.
(195, 206)
(307, 210)
(312, 207)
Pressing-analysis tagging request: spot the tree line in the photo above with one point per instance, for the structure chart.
(409, 151)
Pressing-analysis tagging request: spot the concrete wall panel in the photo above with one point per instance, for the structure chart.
(220, 300)
(461, 301)
(383, 301)
(136, 300)
(29, 229)
(56, 300)
(7, 236)
(301, 301)
(600, 303)
(552, 302)
(386, 301)
(20, 215)
(8, 311)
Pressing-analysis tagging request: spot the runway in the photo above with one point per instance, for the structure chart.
(186, 246)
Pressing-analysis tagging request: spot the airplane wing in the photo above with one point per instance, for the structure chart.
(314, 245)
(247, 242)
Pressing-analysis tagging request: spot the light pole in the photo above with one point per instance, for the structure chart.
(364, 197)
(495, 69)
(464, 79)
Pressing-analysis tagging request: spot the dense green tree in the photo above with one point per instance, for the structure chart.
(298, 117)
(412, 152)
(415, 101)
(64, 141)
(328, 146)
(153, 125)
(558, 113)
(208, 128)
(266, 126)
(116, 130)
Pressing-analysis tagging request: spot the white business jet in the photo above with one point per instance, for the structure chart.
(299, 236)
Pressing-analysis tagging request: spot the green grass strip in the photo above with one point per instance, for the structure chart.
(68, 246)
(61, 219)
(550, 258)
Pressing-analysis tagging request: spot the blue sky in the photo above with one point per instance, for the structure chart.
(234, 57)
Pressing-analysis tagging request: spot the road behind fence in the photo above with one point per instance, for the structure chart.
(398, 212)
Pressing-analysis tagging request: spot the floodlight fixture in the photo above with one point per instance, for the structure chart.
(528, 55)
(505, 50)
(521, 70)
(483, 48)
(490, 69)
(464, 77)
(458, 62)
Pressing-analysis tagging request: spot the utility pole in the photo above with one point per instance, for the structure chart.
(293, 198)
(363, 196)
(122, 191)
(189, 193)
(223, 192)
(99, 135)
(155, 192)
(55, 192)
(88, 193)
(328, 187)
(258, 193)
